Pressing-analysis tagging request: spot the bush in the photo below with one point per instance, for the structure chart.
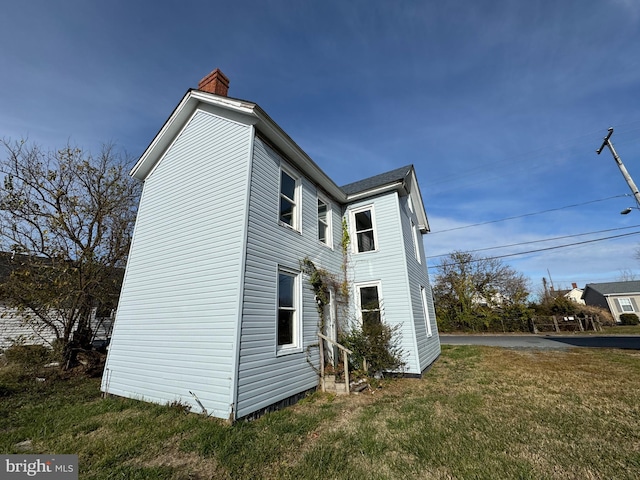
(27, 356)
(629, 319)
(377, 344)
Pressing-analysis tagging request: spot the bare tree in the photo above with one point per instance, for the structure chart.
(626, 275)
(66, 217)
(465, 282)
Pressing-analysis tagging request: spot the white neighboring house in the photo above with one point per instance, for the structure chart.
(19, 328)
(575, 294)
(214, 310)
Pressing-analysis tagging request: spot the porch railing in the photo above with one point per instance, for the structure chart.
(345, 353)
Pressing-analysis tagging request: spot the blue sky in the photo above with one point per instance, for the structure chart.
(500, 105)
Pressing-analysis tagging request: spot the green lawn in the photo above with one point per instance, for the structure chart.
(480, 412)
(622, 330)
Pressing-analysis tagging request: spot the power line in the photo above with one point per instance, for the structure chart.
(540, 241)
(529, 214)
(540, 249)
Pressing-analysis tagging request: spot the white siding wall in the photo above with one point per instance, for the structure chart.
(395, 266)
(264, 377)
(175, 329)
(428, 347)
(14, 327)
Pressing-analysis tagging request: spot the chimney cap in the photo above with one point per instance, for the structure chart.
(216, 82)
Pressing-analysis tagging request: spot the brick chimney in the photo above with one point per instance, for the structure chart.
(574, 285)
(216, 82)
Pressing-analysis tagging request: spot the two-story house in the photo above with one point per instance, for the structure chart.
(215, 310)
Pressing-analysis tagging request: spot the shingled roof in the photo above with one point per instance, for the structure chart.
(394, 176)
(613, 288)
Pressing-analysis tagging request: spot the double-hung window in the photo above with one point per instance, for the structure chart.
(324, 221)
(425, 309)
(288, 199)
(364, 229)
(287, 328)
(368, 297)
(626, 305)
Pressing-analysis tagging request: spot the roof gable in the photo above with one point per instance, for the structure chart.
(384, 179)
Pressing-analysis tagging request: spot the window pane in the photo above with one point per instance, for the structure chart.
(285, 327)
(371, 318)
(363, 221)
(285, 290)
(369, 298)
(322, 211)
(365, 241)
(322, 232)
(286, 211)
(287, 185)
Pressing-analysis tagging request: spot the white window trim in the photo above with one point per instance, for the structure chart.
(353, 233)
(296, 346)
(329, 242)
(416, 245)
(297, 224)
(628, 303)
(357, 287)
(425, 309)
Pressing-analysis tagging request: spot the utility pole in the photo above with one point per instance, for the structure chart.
(623, 170)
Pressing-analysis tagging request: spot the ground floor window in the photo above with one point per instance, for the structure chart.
(288, 314)
(626, 305)
(369, 304)
(425, 308)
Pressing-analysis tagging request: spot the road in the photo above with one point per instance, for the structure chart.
(545, 341)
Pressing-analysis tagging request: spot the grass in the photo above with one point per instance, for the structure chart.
(621, 330)
(480, 412)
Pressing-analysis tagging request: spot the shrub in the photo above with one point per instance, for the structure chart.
(27, 356)
(377, 343)
(629, 319)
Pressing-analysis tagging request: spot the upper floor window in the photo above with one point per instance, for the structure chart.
(288, 199)
(364, 228)
(324, 222)
(288, 324)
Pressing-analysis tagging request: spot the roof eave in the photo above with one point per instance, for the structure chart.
(252, 114)
(406, 186)
(280, 139)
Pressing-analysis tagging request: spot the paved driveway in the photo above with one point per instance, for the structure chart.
(545, 341)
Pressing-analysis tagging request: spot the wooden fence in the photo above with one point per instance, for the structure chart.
(558, 323)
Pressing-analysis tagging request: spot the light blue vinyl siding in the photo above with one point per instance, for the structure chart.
(428, 347)
(176, 326)
(265, 377)
(395, 266)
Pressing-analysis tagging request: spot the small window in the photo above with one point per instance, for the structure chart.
(288, 199)
(369, 303)
(364, 227)
(425, 309)
(416, 244)
(324, 222)
(626, 305)
(287, 327)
